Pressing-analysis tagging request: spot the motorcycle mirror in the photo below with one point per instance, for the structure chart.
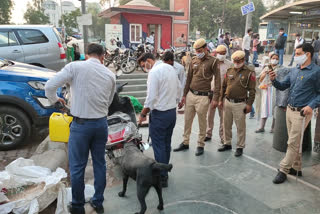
(145, 145)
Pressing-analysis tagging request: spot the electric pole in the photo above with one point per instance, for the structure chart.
(248, 19)
(85, 27)
(223, 12)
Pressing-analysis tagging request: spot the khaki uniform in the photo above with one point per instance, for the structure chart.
(223, 67)
(294, 127)
(200, 74)
(236, 86)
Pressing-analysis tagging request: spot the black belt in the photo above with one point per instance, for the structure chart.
(82, 120)
(236, 100)
(200, 93)
(295, 108)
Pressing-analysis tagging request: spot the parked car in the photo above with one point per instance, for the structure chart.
(38, 45)
(23, 104)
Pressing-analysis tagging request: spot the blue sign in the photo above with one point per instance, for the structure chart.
(248, 8)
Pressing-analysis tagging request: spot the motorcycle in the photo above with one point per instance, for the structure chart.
(122, 126)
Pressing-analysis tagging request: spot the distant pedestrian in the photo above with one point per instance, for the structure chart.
(237, 96)
(197, 92)
(223, 65)
(316, 46)
(221, 39)
(227, 42)
(92, 86)
(163, 91)
(255, 44)
(246, 45)
(304, 96)
(280, 44)
(299, 41)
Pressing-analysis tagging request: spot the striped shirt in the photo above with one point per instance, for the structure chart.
(92, 88)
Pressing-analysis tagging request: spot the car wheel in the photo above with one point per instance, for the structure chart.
(15, 127)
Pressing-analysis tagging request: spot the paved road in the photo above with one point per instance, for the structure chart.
(221, 183)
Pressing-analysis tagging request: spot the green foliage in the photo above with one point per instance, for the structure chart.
(35, 13)
(279, 3)
(5, 11)
(98, 24)
(70, 21)
(163, 4)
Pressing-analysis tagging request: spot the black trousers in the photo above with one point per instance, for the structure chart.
(247, 52)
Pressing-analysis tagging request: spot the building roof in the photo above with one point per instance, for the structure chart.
(138, 7)
(301, 10)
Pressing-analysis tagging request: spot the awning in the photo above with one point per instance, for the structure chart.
(116, 10)
(301, 10)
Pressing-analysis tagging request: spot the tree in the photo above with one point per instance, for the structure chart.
(98, 23)
(280, 3)
(35, 13)
(70, 21)
(5, 11)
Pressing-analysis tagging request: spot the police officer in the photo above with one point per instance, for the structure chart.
(238, 81)
(197, 91)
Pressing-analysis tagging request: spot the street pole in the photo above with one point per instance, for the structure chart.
(85, 27)
(223, 12)
(248, 20)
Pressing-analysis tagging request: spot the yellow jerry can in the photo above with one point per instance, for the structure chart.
(59, 127)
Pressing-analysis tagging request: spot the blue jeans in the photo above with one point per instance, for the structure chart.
(252, 112)
(90, 135)
(255, 57)
(280, 52)
(316, 58)
(161, 128)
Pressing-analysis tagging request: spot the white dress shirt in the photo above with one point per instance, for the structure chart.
(223, 67)
(92, 88)
(298, 42)
(163, 88)
(246, 42)
(181, 76)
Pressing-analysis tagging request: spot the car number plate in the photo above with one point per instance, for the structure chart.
(118, 153)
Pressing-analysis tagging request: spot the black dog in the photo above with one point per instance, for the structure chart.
(145, 171)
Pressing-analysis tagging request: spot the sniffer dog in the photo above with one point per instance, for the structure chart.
(145, 171)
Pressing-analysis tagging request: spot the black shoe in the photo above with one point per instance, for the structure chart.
(181, 147)
(98, 209)
(164, 182)
(259, 131)
(280, 178)
(200, 151)
(294, 172)
(76, 210)
(238, 152)
(225, 148)
(207, 139)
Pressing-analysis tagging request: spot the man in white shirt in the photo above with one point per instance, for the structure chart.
(162, 98)
(150, 39)
(299, 41)
(168, 58)
(92, 89)
(223, 66)
(246, 43)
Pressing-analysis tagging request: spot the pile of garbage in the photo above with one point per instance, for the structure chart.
(27, 188)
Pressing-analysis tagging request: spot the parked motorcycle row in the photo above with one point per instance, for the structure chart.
(125, 59)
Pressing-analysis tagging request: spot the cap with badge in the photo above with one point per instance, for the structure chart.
(238, 55)
(221, 48)
(199, 43)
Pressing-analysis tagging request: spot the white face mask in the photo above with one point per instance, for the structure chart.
(221, 57)
(236, 65)
(147, 67)
(201, 55)
(300, 60)
(274, 62)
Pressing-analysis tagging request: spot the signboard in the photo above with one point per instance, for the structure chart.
(248, 8)
(85, 19)
(113, 32)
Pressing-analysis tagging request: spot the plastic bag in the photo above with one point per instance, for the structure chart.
(31, 188)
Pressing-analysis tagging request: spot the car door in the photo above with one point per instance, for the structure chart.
(9, 46)
(35, 45)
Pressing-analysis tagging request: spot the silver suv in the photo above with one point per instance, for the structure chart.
(33, 44)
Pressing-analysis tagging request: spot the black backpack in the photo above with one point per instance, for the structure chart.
(260, 49)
